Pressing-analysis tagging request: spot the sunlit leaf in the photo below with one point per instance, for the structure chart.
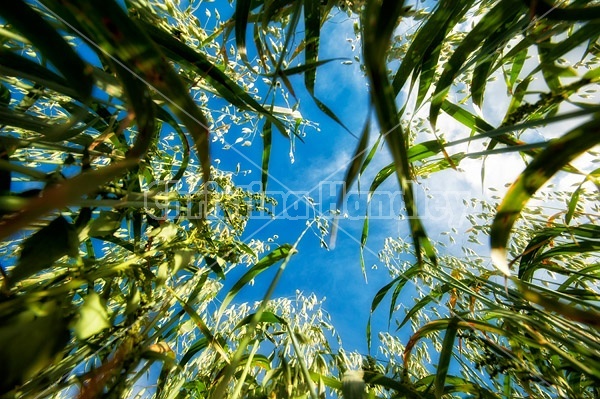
(118, 36)
(93, 317)
(493, 20)
(265, 317)
(378, 24)
(196, 347)
(60, 195)
(558, 154)
(263, 264)
(427, 39)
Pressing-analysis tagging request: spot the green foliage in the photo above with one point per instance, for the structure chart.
(108, 275)
(36, 335)
(535, 337)
(93, 317)
(45, 247)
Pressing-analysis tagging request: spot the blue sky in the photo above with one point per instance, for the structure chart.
(319, 166)
(320, 163)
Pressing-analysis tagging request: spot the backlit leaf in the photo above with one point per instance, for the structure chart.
(33, 339)
(558, 154)
(105, 224)
(93, 317)
(263, 264)
(45, 247)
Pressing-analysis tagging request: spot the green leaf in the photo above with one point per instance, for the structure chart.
(263, 264)
(32, 339)
(328, 381)
(105, 224)
(493, 20)
(312, 25)
(550, 11)
(441, 324)
(375, 378)
(445, 357)
(434, 297)
(572, 205)
(242, 10)
(363, 242)
(110, 27)
(481, 74)
(120, 242)
(428, 38)
(217, 265)
(62, 194)
(292, 24)
(312, 30)
(490, 51)
(265, 317)
(559, 153)
(182, 259)
(398, 283)
(51, 44)
(574, 200)
(140, 100)
(588, 32)
(355, 164)
(415, 153)
(12, 64)
(468, 119)
(379, 22)
(517, 66)
(303, 68)
(196, 347)
(327, 111)
(533, 256)
(4, 95)
(165, 116)
(216, 342)
(45, 247)
(550, 71)
(258, 360)
(369, 158)
(266, 155)
(197, 61)
(43, 126)
(5, 172)
(499, 134)
(93, 317)
(428, 73)
(567, 310)
(459, 384)
(576, 248)
(453, 160)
